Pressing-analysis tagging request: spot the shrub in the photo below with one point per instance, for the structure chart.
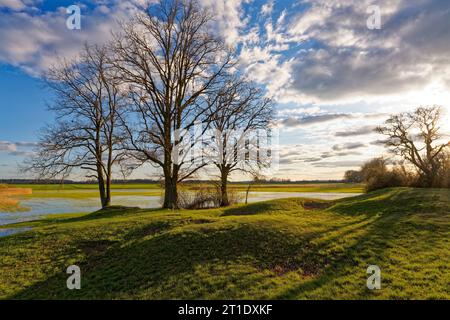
(353, 176)
(377, 175)
(201, 198)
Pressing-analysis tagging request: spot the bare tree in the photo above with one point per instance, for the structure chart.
(237, 111)
(86, 133)
(171, 62)
(415, 136)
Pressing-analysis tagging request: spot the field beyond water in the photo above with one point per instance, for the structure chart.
(9, 198)
(281, 249)
(82, 191)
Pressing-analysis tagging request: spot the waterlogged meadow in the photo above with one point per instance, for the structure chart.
(30, 202)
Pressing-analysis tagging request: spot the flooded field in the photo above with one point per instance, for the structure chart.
(36, 207)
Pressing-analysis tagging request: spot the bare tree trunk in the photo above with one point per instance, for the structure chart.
(101, 187)
(247, 192)
(223, 188)
(108, 191)
(170, 193)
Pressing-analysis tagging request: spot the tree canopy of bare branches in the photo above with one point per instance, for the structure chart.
(86, 133)
(170, 61)
(416, 137)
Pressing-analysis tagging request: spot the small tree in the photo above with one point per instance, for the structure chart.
(236, 112)
(86, 134)
(256, 178)
(415, 137)
(353, 176)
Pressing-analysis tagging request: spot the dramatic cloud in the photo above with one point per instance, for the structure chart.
(308, 120)
(378, 142)
(13, 4)
(16, 148)
(351, 61)
(324, 52)
(26, 144)
(336, 164)
(229, 18)
(356, 132)
(34, 40)
(7, 146)
(22, 153)
(348, 146)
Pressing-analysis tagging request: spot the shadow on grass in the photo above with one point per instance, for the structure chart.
(205, 256)
(384, 233)
(156, 257)
(287, 205)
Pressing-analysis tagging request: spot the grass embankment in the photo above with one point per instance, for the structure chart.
(308, 187)
(283, 249)
(9, 201)
(83, 191)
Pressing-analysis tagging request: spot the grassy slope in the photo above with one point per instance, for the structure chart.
(274, 249)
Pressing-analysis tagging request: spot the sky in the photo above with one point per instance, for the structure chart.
(332, 78)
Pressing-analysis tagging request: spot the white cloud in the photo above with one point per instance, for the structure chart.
(20, 148)
(267, 8)
(33, 41)
(12, 4)
(229, 18)
(6, 146)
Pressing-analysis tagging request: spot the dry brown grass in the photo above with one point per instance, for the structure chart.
(8, 197)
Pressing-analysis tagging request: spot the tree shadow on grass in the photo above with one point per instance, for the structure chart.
(382, 234)
(286, 205)
(199, 260)
(174, 263)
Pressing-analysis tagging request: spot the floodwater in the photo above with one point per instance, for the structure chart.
(39, 207)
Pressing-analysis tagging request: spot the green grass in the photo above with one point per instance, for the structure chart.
(282, 249)
(84, 191)
(300, 187)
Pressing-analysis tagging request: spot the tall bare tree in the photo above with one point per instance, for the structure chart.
(171, 62)
(416, 137)
(86, 133)
(237, 112)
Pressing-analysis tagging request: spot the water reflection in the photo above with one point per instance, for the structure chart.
(10, 231)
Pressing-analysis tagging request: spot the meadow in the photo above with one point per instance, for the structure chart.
(80, 191)
(282, 249)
